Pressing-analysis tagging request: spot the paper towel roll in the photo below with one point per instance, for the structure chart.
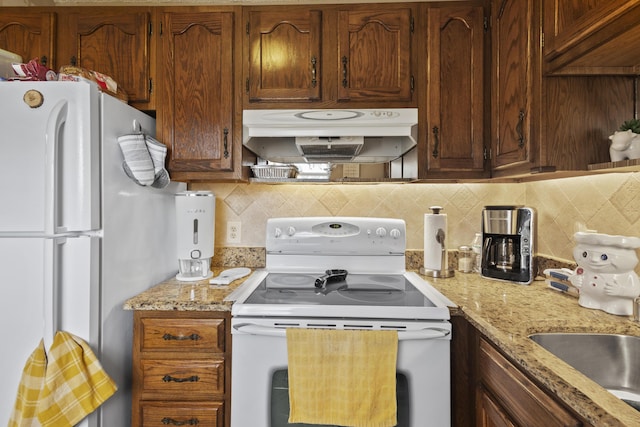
(433, 258)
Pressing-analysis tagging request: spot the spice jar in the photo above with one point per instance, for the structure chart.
(465, 259)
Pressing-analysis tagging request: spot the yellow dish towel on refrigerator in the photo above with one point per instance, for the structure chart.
(342, 377)
(71, 385)
(31, 383)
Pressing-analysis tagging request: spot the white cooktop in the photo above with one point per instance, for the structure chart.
(371, 250)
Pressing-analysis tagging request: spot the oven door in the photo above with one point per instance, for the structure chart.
(259, 385)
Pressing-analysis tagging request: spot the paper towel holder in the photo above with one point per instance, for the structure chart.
(444, 271)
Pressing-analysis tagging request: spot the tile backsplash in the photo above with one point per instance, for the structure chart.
(608, 203)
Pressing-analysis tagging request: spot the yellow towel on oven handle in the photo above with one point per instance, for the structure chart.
(70, 386)
(342, 377)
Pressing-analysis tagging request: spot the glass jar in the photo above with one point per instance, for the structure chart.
(465, 259)
(476, 246)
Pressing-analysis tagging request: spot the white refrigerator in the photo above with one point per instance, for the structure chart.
(77, 236)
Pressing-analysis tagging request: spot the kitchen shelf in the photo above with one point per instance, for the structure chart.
(329, 181)
(618, 166)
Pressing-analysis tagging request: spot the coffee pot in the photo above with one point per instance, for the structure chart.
(507, 243)
(195, 217)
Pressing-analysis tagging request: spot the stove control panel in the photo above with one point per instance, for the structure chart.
(336, 235)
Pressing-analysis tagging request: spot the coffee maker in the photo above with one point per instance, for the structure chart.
(508, 236)
(195, 227)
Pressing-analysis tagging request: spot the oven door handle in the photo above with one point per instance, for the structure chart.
(421, 334)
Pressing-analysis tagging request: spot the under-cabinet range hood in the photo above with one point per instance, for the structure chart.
(326, 135)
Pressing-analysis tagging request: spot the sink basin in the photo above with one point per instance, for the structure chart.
(613, 361)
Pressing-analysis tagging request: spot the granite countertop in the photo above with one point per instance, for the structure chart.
(174, 295)
(508, 313)
(505, 313)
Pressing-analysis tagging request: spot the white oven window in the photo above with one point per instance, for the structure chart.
(279, 408)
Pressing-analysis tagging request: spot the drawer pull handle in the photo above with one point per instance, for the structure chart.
(191, 379)
(191, 422)
(192, 337)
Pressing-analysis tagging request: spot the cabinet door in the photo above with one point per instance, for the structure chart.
(196, 112)
(512, 78)
(162, 414)
(455, 89)
(284, 55)
(490, 413)
(30, 33)
(115, 42)
(588, 36)
(506, 396)
(374, 55)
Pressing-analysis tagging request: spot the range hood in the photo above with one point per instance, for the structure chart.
(330, 135)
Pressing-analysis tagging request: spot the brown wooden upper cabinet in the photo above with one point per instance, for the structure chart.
(198, 110)
(592, 37)
(514, 77)
(329, 55)
(31, 33)
(115, 41)
(454, 119)
(533, 114)
(284, 55)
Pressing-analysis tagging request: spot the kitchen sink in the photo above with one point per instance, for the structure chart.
(613, 361)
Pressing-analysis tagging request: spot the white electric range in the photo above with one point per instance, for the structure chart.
(338, 273)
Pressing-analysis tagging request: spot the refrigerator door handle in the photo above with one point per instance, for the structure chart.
(50, 289)
(57, 117)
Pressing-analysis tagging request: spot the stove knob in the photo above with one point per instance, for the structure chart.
(277, 232)
(395, 233)
(291, 231)
(381, 231)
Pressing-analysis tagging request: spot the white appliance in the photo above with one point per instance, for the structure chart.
(77, 236)
(295, 290)
(195, 218)
(330, 135)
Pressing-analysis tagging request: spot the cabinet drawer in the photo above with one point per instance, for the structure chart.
(180, 414)
(521, 398)
(179, 334)
(190, 379)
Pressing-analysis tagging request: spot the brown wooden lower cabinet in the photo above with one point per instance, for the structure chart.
(181, 369)
(506, 397)
(488, 390)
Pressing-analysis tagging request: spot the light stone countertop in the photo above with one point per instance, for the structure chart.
(505, 313)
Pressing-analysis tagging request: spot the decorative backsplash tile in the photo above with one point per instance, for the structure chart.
(608, 203)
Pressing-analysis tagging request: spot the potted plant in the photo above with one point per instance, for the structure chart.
(625, 142)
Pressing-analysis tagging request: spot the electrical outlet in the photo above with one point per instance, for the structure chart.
(234, 231)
